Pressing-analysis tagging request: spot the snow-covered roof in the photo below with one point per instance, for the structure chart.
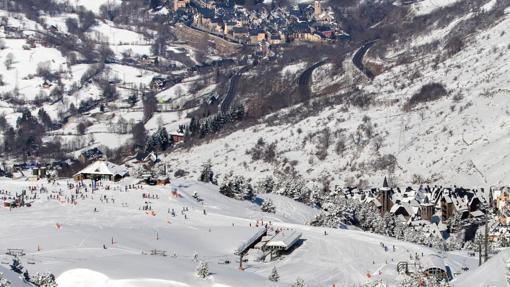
(247, 243)
(284, 239)
(433, 261)
(102, 167)
(408, 208)
(374, 200)
(477, 213)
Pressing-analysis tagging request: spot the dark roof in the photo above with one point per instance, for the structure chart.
(206, 13)
(299, 28)
(240, 30)
(92, 153)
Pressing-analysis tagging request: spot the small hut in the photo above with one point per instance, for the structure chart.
(102, 170)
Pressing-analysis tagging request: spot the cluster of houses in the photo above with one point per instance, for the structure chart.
(433, 208)
(269, 26)
(96, 167)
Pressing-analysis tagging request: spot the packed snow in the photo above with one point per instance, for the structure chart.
(105, 238)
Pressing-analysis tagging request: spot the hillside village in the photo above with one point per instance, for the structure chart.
(274, 26)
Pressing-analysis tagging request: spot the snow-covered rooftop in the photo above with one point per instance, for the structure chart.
(284, 239)
(102, 167)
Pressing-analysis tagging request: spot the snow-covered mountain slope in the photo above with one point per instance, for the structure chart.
(459, 138)
(424, 7)
(68, 240)
(492, 273)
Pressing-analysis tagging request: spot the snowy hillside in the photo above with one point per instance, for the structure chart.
(281, 107)
(492, 273)
(459, 138)
(69, 240)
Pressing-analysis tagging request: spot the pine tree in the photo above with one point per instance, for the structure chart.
(237, 187)
(247, 190)
(299, 282)
(203, 270)
(389, 224)
(226, 189)
(274, 276)
(266, 185)
(268, 206)
(44, 118)
(16, 265)
(206, 175)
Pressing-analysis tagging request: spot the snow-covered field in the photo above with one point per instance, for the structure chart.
(427, 6)
(92, 5)
(70, 239)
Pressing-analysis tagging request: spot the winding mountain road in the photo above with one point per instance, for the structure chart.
(305, 80)
(357, 59)
(232, 87)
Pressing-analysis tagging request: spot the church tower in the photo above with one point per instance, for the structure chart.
(317, 8)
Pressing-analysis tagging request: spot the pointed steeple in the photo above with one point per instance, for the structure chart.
(385, 183)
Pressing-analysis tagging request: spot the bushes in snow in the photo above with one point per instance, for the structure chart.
(150, 105)
(72, 26)
(180, 173)
(9, 60)
(160, 140)
(213, 124)
(26, 140)
(237, 187)
(44, 280)
(299, 282)
(268, 206)
(202, 270)
(340, 145)
(293, 187)
(386, 162)
(44, 71)
(428, 93)
(139, 135)
(323, 144)
(266, 185)
(16, 265)
(263, 151)
(87, 20)
(274, 276)
(454, 45)
(4, 282)
(206, 174)
(81, 128)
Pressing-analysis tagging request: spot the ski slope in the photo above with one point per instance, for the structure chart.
(493, 273)
(75, 251)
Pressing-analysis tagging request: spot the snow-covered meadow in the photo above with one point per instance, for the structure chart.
(106, 239)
